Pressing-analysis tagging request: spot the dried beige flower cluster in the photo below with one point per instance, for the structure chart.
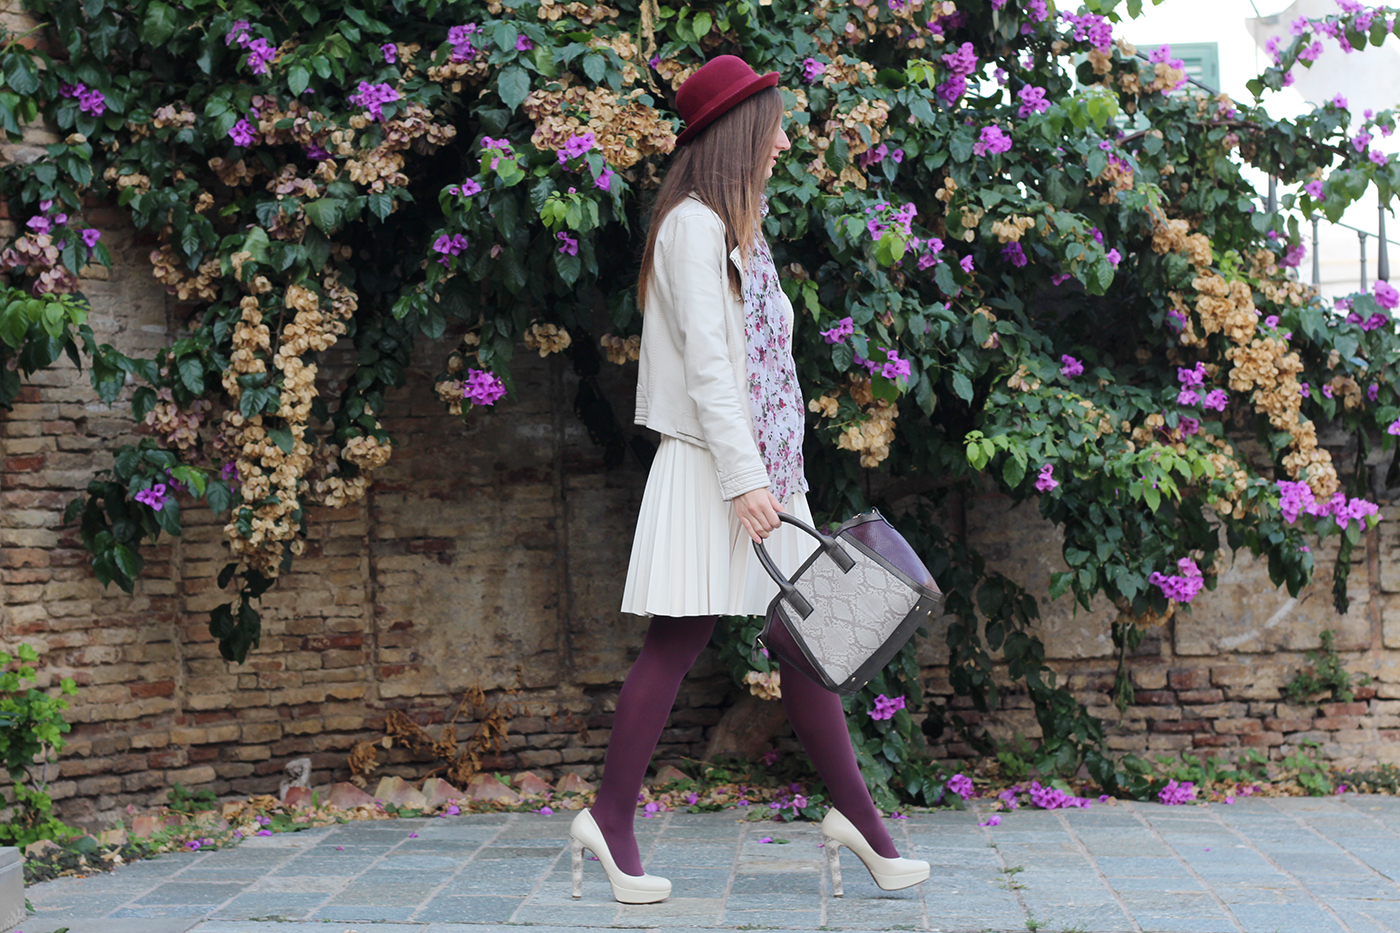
(552, 10)
(276, 481)
(172, 115)
(114, 175)
(620, 350)
(765, 685)
(871, 434)
(1263, 366)
(1023, 381)
(820, 132)
(169, 270)
(179, 429)
(547, 338)
(625, 129)
(674, 73)
(1117, 176)
(912, 19)
(234, 174)
(1011, 229)
(39, 256)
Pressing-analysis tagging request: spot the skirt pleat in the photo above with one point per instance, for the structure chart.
(690, 554)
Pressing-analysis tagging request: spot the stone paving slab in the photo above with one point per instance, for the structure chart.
(1285, 865)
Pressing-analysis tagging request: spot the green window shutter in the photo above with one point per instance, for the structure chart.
(1202, 60)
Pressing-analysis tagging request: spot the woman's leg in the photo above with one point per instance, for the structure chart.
(643, 706)
(820, 723)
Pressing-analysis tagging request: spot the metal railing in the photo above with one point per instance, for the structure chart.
(1383, 242)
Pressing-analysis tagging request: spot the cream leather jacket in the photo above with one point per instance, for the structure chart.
(693, 377)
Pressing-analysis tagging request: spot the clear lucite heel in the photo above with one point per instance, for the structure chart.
(577, 849)
(833, 863)
(628, 889)
(890, 874)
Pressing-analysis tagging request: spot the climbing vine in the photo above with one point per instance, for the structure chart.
(1024, 258)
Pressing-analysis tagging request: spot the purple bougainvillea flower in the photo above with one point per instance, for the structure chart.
(1386, 295)
(238, 32)
(1046, 481)
(373, 97)
(391, 52)
(483, 387)
(894, 367)
(991, 141)
(567, 243)
(812, 69)
(523, 44)
(961, 785)
(1070, 367)
(966, 263)
(604, 179)
(154, 496)
(838, 334)
(885, 708)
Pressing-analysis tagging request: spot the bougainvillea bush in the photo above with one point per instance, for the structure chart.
(1023, 256)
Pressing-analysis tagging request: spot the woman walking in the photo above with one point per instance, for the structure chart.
(717, 381)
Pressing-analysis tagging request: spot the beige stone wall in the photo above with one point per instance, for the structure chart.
(1210, 681)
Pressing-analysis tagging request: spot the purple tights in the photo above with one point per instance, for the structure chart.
(644, 705)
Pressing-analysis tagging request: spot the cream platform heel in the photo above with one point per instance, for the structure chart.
(629, 889)
(891, 874)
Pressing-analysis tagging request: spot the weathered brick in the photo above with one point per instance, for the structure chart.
(1179, 726)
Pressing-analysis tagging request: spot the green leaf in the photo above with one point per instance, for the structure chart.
(159, 24)
(513, 84)
(381, 204)
(963, 386)
(325, 213)
(20, 74)
(595, 66)
(192, 374)
(298, 79)
(283, 438)
(128, 561)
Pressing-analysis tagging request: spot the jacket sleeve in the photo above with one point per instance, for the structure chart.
(696, 263)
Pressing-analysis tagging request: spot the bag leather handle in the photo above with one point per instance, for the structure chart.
(789, 592)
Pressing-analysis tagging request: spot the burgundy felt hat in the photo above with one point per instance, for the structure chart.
(719, 85)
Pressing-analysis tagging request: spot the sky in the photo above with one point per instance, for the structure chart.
(1224, 23)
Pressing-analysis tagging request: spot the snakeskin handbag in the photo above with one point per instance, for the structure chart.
(852, 604)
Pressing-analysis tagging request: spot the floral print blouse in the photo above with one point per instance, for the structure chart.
(775, 401)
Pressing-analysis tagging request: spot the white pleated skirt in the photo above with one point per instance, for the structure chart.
(690, 554)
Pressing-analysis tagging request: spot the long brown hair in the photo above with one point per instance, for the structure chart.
(723, 167)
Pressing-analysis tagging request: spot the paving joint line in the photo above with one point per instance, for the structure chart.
(1157, 834)
(1327, 908)
(1094, 863)
(1015, 889)
(909, 847)
(510, 820)
(1345, 851)
(734, 873)
(543, 877)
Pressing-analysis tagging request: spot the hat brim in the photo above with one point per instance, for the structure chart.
(721, 105)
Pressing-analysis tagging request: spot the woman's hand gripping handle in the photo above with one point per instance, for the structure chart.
(758, 511)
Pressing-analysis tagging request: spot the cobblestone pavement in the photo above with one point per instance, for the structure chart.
(1265, 865)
